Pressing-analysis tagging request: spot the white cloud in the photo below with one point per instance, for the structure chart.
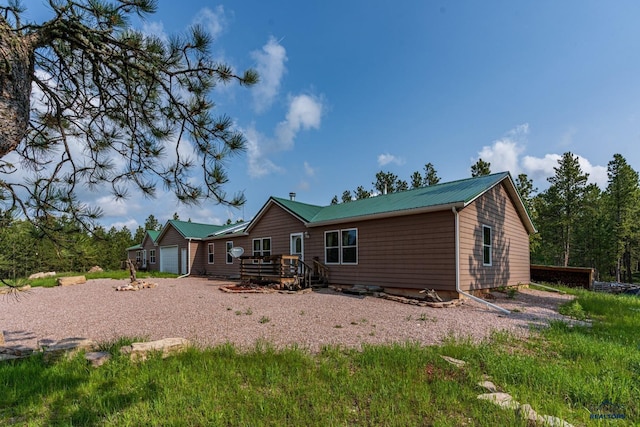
(270, 66)
(305, 112)
(542, 168)
(503, 154)
(386, 158)
(259, 164)
(538, 167)
(597, 174)
(155, 29)
(214, 21)
(308, 170)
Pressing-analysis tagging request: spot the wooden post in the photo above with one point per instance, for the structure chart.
(132, 271)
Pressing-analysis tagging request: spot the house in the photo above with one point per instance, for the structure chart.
(144, 254)
(177, 248)
(464, 236)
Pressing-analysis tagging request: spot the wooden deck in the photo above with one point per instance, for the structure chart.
(282, 271)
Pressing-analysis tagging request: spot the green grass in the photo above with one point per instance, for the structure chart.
(49, 282)
(566, 371)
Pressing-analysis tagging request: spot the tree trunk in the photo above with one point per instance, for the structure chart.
(16, 68)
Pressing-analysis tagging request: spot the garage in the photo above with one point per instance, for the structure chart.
(169, 259)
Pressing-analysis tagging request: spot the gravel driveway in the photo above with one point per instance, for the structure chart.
(195, 308)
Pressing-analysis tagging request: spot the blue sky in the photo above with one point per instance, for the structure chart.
(350, 88)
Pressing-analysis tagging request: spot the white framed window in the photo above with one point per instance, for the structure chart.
(331, 247)
(487, 246)
(210, 252)
(341, 246)
(229, 257)
(152, 256)
(138, 257)
(262, 246)
(349, 249)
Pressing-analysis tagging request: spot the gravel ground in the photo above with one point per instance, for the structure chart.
(195, 308)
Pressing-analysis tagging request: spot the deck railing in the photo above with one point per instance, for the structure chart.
(287, 270)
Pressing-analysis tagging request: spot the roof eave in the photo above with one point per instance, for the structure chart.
(389, 214)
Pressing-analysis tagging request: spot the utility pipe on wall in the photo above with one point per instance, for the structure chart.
(480, 300)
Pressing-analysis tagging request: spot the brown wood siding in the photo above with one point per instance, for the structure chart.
(279, 225)
(510, 243)
(149, 246)
(220, 267)
(410, 252)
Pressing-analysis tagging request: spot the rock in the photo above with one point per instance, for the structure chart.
(489, 386)
(166, 346)
(504, 400)
(528, 413)
(68, 347)
(42, 275)
(431, 295)
(17, 350)
(98, 358)
(551, 421)
(456, 362)
(95, 269)
(136, 286)
(71, 280)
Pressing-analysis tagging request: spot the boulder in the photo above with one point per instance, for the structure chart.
(71, 280)
(42, 275)
(97, 358)
(68, 347)
(95, 269)
(166, 347)
(504, 400)
(457, 362)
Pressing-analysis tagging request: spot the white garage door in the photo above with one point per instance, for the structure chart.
(169, 259)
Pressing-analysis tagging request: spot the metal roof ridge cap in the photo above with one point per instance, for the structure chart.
(389, 214)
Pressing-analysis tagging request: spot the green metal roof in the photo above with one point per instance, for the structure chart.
(134, 247)
(153, 234)
(433, 196)
(304, 210)
(194, 230)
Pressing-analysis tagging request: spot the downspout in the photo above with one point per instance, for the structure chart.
(457, 243)
(188, 261)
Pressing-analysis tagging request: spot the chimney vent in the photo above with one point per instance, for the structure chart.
(292, 196)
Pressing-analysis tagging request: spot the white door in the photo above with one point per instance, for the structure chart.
(169, 259)
(297, 247)
(184, 261)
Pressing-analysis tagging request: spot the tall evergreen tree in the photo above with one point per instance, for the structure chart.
(385, 182)
(480, 168)
(526, 190)
(346, 196)
(430, 175)
(622, 196)
(416, 180)
(361, 193)
(564, 198)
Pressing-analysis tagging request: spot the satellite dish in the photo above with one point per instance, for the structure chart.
(236, 251)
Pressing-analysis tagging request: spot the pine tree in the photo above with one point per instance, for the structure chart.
(115, 92)
(622, 197)
(564, 199)
(480, 168)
